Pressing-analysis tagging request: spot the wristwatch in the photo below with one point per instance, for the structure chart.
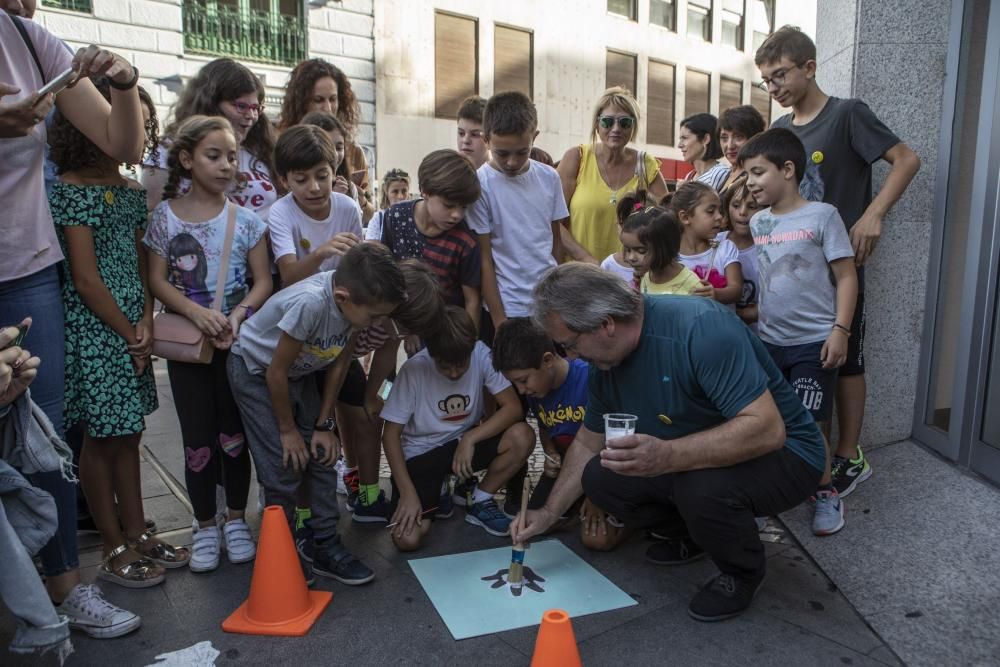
(330, 424)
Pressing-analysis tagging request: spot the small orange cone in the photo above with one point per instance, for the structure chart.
(280, 603)
(556, 643)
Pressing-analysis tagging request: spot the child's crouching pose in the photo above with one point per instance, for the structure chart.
(556, 390)
(433, 428)
(302, 329)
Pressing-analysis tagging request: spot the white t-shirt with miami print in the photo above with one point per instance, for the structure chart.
(305, 311)
(435, 410)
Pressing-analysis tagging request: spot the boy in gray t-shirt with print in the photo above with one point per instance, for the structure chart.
(304, 329)
(808, 287)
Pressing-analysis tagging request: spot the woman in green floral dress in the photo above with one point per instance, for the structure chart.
(100, 217)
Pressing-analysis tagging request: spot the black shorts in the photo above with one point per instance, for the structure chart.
(352, 392)
(429, 470)
(855, 364)
(813, 384)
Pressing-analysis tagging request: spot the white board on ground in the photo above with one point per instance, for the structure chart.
(471, 594)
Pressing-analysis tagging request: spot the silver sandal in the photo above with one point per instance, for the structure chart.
(141, 573)
(163, 554)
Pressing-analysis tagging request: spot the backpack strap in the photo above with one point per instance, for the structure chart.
(31, 47)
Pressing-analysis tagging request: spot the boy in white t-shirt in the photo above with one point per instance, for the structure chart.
(518, 214)
(433, 427)
(312, 226)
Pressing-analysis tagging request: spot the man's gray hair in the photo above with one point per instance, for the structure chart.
(583, 296)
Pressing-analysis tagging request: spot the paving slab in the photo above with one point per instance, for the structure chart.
(919, 557)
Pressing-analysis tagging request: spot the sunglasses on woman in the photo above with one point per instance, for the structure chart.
(608, 122)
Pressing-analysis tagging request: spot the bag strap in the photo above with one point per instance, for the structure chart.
(28, 43)
(640, 169)
(227, 249)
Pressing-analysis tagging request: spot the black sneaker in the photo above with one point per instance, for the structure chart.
(674, 552)
(724, 596)
(333, 560)
(304, 542)
(848, 473)
(307, 571)
(377, 512)
(446, 506)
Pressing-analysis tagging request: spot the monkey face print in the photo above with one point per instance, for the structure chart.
(455, 408)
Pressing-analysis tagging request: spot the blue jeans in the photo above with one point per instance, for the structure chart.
(40, 296)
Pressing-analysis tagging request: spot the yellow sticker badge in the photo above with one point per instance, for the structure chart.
(109, 197)
(305, 243)
(665, 419)
(817, 157)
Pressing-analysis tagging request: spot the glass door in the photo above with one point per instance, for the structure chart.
(960, 368)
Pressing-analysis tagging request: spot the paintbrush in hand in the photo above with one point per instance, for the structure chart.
(515, 575)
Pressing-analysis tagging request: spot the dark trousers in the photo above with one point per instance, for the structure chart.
(714, 507)
(212, 432)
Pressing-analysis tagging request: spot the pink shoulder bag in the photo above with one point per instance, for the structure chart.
(175, 337)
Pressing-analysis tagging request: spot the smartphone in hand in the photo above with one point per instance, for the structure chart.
(57, 84)
(22, 331)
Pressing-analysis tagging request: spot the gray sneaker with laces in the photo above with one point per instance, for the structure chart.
(89, 612)
(829, 516)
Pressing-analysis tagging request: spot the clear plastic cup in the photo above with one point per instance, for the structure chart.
(618, 425)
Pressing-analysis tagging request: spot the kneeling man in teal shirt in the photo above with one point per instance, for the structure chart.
(721, 437)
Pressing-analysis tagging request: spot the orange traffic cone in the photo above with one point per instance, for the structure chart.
(280, 603)
(556, 643)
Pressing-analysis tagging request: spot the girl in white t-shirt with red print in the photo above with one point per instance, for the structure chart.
(717, 263)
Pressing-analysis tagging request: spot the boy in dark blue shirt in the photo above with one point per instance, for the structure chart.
(556, 393)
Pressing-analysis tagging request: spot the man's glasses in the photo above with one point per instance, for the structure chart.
(570, 346)
(243, 108)
(608, 122)
(778, 79)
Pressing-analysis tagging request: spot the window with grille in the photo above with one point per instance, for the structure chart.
(269, 31)
(513, 61)
(456, 62)
(660, 103)
(72, 5)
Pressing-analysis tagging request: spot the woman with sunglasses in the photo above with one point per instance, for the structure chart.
(225, 88)
(596, 175)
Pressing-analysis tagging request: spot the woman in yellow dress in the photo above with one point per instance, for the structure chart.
(596, 175)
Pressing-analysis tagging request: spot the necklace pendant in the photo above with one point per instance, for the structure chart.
(614, 198)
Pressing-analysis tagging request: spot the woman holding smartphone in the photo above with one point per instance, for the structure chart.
(30, 254)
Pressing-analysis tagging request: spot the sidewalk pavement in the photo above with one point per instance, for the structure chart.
(799, 617)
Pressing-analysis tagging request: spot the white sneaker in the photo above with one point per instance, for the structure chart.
(205, 550)
(239, 542)
(340, 467)
(90, 613)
